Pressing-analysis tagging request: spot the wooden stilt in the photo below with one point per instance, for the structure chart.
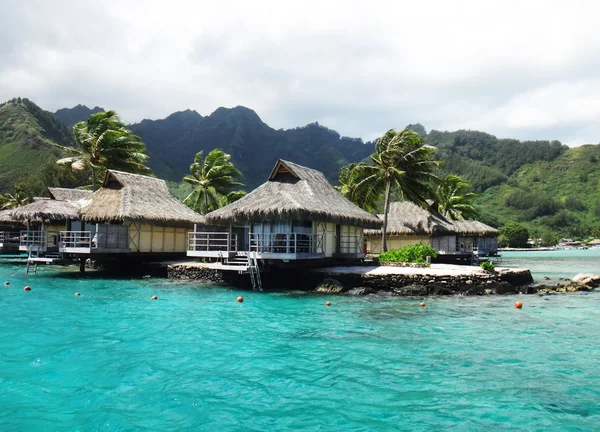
(82, 261)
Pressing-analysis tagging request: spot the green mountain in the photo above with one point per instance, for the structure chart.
(71, 116)
(254, 146)
(542, 184)
(26, 134)
(561, 195)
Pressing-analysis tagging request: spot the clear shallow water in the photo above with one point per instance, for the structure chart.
(113, 360)
(554, 264)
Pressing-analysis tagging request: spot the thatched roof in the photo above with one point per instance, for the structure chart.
(46, 210)
(7, 219)
(139, 198)
(294, 192)
(473, 227)
(407, 218)
(65, 194)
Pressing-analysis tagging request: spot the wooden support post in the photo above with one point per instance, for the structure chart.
(82, 261)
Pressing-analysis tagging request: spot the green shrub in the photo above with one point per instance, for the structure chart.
(412, 254)
(488, 266)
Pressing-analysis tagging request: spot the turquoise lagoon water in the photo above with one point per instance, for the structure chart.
(113, 360)
(564, 263)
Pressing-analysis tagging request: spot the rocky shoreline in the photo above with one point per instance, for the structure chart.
(391, 281)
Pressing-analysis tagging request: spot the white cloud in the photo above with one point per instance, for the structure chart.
(516, 69)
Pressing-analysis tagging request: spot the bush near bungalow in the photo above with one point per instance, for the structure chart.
(416, 254)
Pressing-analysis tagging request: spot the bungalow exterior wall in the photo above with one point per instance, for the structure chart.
(444, 244)
(324, 239)
(126, 237)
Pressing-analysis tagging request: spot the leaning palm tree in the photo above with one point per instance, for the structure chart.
(213, 178)
(105, 143)
(453, 199)
(401, 161)
(349, 180)
(14, 200)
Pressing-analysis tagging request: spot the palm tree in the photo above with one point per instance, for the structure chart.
(105, 143)
(231, 197)
(213, 178)
(401, 161)
(14, 200)
(349, 180)
(452, 199)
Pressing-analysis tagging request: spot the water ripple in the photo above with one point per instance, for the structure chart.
(113, 360)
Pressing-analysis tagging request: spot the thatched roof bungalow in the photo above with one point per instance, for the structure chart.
(46, 210)
(46, 217)
(137, 198)
(295, 214)
(130, 213)
(67, 194)
(9, 232)
(294, 192)
(409, 224)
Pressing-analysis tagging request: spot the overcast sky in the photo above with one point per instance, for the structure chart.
(522, 69)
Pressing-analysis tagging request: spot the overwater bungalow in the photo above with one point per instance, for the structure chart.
(9, 232)
(129, 214)
(410, 224)
(45, 218)
(295, 216)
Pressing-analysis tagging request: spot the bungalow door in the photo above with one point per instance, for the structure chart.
(338, 238)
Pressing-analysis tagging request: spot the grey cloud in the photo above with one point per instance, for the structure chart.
(358, 70)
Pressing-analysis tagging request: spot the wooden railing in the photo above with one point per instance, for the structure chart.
(212, 242)
(351, 243)
(287, 243)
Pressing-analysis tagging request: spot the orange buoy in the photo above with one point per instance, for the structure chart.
(240, 299)
(77, 294)
(518, 305)
(422, 304)
(328, 303)
(27, 288)
(154, 298)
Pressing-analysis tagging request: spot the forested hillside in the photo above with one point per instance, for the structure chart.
(26, 134)
(543, 184)
(562, 195)
(253, 145)
(486, 160)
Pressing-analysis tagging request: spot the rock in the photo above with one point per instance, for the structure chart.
(489, 291)
(469, 282)
(546, 278)
(574, 287)
(506, 288)
(330, 286)
(359, 291)
(412, 290)
(588, 279)
(528, 289)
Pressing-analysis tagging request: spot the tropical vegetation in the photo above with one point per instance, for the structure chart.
(416, 253)
(402, 161)
(513, 235)
(104, 142)
(488, 266)
(13, 200)
(454, 199)
(213, 179)
(543, 185)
